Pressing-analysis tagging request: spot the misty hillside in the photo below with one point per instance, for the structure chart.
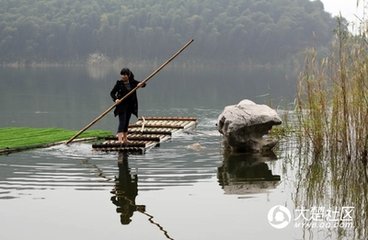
(233, 30)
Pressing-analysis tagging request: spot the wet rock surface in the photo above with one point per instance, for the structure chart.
(245, 126)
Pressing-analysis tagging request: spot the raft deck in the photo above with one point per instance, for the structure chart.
(147, 133)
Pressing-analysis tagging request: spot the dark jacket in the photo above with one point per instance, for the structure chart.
(129, 104)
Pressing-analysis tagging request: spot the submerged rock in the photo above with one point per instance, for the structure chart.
(196, 147)
(245, 126)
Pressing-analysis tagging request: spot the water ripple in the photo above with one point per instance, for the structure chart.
(187, 158)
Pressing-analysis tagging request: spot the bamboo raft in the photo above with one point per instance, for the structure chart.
(147, 133)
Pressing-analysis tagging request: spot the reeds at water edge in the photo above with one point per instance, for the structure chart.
(332, 130)
(332, 98)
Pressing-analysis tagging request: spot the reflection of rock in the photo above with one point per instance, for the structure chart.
(125, 192)
(247, 173)
(245, 124)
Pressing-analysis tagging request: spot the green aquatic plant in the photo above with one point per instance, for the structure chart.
(332, 116)
(25, 138)
(332, 100)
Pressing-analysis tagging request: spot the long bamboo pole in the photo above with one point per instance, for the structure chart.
(130, 93)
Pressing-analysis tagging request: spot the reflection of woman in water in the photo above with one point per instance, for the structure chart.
(126, 190)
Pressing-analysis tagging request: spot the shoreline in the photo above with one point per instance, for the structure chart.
(192, 64)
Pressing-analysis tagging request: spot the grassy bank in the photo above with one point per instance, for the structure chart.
(18, 139)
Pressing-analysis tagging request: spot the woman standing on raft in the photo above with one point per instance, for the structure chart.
(127, 107)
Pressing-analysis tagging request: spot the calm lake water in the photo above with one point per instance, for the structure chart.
(176, 191)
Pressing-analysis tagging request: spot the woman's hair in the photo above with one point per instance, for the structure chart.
(126, 71)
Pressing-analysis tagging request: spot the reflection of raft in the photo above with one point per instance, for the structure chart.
(147, 133)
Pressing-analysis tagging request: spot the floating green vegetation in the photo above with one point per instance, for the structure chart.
(21, 138)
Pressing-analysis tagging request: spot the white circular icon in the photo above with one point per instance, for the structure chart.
(279, 217)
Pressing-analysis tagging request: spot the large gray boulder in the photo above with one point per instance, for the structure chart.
(245, 126)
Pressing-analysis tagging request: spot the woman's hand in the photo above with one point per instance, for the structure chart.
(141, 85)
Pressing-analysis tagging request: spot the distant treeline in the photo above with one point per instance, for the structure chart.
(232, 30)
